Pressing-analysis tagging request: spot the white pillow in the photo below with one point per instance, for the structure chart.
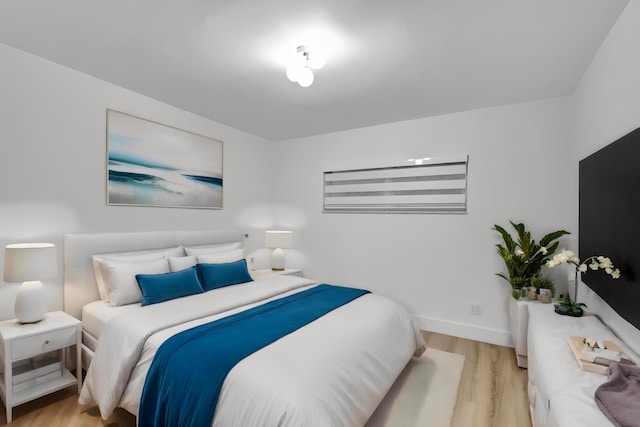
(136, 256)
(121, 277)
(212, 249)
(222, 257)
(178, 263)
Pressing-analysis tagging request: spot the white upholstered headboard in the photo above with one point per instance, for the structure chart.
(80, 286)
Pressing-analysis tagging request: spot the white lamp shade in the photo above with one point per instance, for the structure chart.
(278, 239)
(28, 263)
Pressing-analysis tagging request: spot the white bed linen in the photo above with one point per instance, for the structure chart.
(298, 380)
(96, 314)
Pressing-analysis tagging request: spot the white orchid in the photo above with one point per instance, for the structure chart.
(593, 262)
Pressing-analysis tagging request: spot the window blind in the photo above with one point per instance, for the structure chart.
(424, 188)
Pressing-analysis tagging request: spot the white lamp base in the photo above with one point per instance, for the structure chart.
(31, 302)
(277, 260)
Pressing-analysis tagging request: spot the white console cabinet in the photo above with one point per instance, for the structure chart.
(519, 318)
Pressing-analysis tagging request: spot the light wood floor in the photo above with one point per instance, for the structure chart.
(492, 393)
(493, 390)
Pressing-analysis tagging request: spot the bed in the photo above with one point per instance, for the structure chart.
(333, 371)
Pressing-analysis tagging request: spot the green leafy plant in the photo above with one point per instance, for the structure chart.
(518, 293)
(566, 306)
(524, 257)
(543, 282)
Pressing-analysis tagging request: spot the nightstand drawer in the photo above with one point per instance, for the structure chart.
(38, 344)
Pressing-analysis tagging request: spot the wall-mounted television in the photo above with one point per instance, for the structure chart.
(609, 222)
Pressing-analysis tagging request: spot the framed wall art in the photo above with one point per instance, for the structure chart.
(151, 164)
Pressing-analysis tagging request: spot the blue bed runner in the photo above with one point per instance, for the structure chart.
(186, 375)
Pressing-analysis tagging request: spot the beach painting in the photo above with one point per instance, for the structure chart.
(150, 164)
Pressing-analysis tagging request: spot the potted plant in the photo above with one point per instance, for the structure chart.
(524, 257)
(573, 308)
(544, 288)
(569, 308)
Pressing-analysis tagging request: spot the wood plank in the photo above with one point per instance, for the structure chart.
(493, 389)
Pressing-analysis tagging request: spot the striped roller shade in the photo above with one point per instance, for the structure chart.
(427, 188)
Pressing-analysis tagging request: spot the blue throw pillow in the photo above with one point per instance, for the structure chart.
(157, 288)
(215, 276)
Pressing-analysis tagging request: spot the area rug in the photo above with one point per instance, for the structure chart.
(424, 394)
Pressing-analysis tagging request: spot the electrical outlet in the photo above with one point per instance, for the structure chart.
(476, 309)
(251, 260)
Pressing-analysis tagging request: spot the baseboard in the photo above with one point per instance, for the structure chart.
(462, 330)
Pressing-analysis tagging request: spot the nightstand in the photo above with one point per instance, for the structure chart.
(33, 359)
(259, 274)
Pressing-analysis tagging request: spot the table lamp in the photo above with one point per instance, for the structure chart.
(278, 240)
(29, 263)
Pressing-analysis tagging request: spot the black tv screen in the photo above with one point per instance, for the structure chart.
(609, 222)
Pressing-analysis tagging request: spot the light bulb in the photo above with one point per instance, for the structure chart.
(293, 71)
(316, 60)
(305, 77)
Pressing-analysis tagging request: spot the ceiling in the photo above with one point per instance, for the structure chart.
(387, 60)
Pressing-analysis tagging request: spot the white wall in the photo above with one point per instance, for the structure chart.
(606, 105)
(434, 264)
(53, 163)
(523, 166)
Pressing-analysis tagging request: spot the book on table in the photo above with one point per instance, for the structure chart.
(597, 355)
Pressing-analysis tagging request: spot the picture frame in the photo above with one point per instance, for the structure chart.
(152, 164)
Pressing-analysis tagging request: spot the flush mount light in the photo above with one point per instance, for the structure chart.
(299, 70)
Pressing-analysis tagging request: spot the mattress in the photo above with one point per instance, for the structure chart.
(345, 381)
(95, 315)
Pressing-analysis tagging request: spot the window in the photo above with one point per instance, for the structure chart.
(423, 188)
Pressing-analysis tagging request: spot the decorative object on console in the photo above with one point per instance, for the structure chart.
(151, 164)
(29, 263)
(596, 356)
(278, 240)
(574, 308)
(525, 257)
(544, 288)
(546, 295)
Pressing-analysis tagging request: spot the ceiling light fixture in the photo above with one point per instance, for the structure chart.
(419, 161)
(299, 70)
